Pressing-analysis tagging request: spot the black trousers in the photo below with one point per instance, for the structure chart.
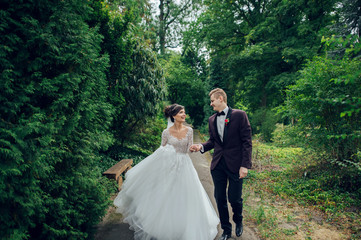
(221, 177)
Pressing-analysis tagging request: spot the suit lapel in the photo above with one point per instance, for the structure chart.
(216, 129)
(226, 125)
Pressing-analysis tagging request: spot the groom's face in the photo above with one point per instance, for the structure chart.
(216, 103)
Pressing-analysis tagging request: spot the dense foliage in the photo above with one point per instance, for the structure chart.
(257, 47)
(77, 78)
(186, 84)
(262, 44)
(54, 117)
(326, 101)
(135, 78)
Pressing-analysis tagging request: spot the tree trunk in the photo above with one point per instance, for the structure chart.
(161, 27)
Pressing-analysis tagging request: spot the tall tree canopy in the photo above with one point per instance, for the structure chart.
(260, 45)
(350, 22)
(135, 78)
(172, 17)
(185, 78)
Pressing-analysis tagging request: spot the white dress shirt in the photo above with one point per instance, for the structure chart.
(221, 123)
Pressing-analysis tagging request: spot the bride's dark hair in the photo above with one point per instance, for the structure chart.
(172, 110)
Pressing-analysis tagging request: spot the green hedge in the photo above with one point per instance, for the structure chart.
(53, 120)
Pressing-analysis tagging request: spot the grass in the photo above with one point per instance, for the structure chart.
(288, 181)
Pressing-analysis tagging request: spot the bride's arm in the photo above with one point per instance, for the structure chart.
(164, 138)
(190, 138)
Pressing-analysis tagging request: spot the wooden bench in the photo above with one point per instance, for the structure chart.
(118, 170)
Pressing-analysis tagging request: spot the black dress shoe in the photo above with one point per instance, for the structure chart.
(239, 229)
(225, 236)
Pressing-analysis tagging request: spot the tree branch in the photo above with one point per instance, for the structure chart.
(186, 5)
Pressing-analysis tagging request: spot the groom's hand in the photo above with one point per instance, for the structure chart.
(243, 172)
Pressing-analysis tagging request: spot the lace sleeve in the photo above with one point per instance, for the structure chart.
(190, 138)
(164, 138)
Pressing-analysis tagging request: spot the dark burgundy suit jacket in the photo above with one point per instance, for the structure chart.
(236, 147)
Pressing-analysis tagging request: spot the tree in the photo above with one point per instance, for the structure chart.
(262, 44)
(173, 16)
(144, 90)
(185, 86)
(135, 78)
(325, 101)
(257, 47)
(54, 120)
(350, 22)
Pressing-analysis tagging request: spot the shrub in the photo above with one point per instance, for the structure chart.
(323, 102)
(263, 121)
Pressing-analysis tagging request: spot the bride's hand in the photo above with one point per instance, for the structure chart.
(194, 148)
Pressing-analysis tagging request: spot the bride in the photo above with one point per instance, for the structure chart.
(162, 197)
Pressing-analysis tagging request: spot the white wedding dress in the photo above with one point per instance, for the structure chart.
(162, 197)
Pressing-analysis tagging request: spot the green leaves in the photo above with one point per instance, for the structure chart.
(325, 103)
(53, 113)
(185, 85)
(262, 44)
(134, 77)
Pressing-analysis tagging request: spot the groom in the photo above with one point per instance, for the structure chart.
(230, 136)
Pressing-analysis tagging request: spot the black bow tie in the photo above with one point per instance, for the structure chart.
(220, 113)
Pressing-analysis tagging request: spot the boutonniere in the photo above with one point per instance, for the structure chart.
(226, 121)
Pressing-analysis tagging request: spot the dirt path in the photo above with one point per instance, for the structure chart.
(112, 227)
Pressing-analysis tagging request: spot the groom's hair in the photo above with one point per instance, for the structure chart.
(219, 92)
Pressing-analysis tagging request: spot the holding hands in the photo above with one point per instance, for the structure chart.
(195, 147)
(243, 172)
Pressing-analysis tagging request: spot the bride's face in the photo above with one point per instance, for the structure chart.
(181, 116)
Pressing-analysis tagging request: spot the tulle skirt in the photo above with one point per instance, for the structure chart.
(163, 199)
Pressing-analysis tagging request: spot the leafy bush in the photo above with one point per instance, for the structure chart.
(148, 136)
(185, 87)
(135, 77)
(288, 136)
(323, 103)
(263, 121)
